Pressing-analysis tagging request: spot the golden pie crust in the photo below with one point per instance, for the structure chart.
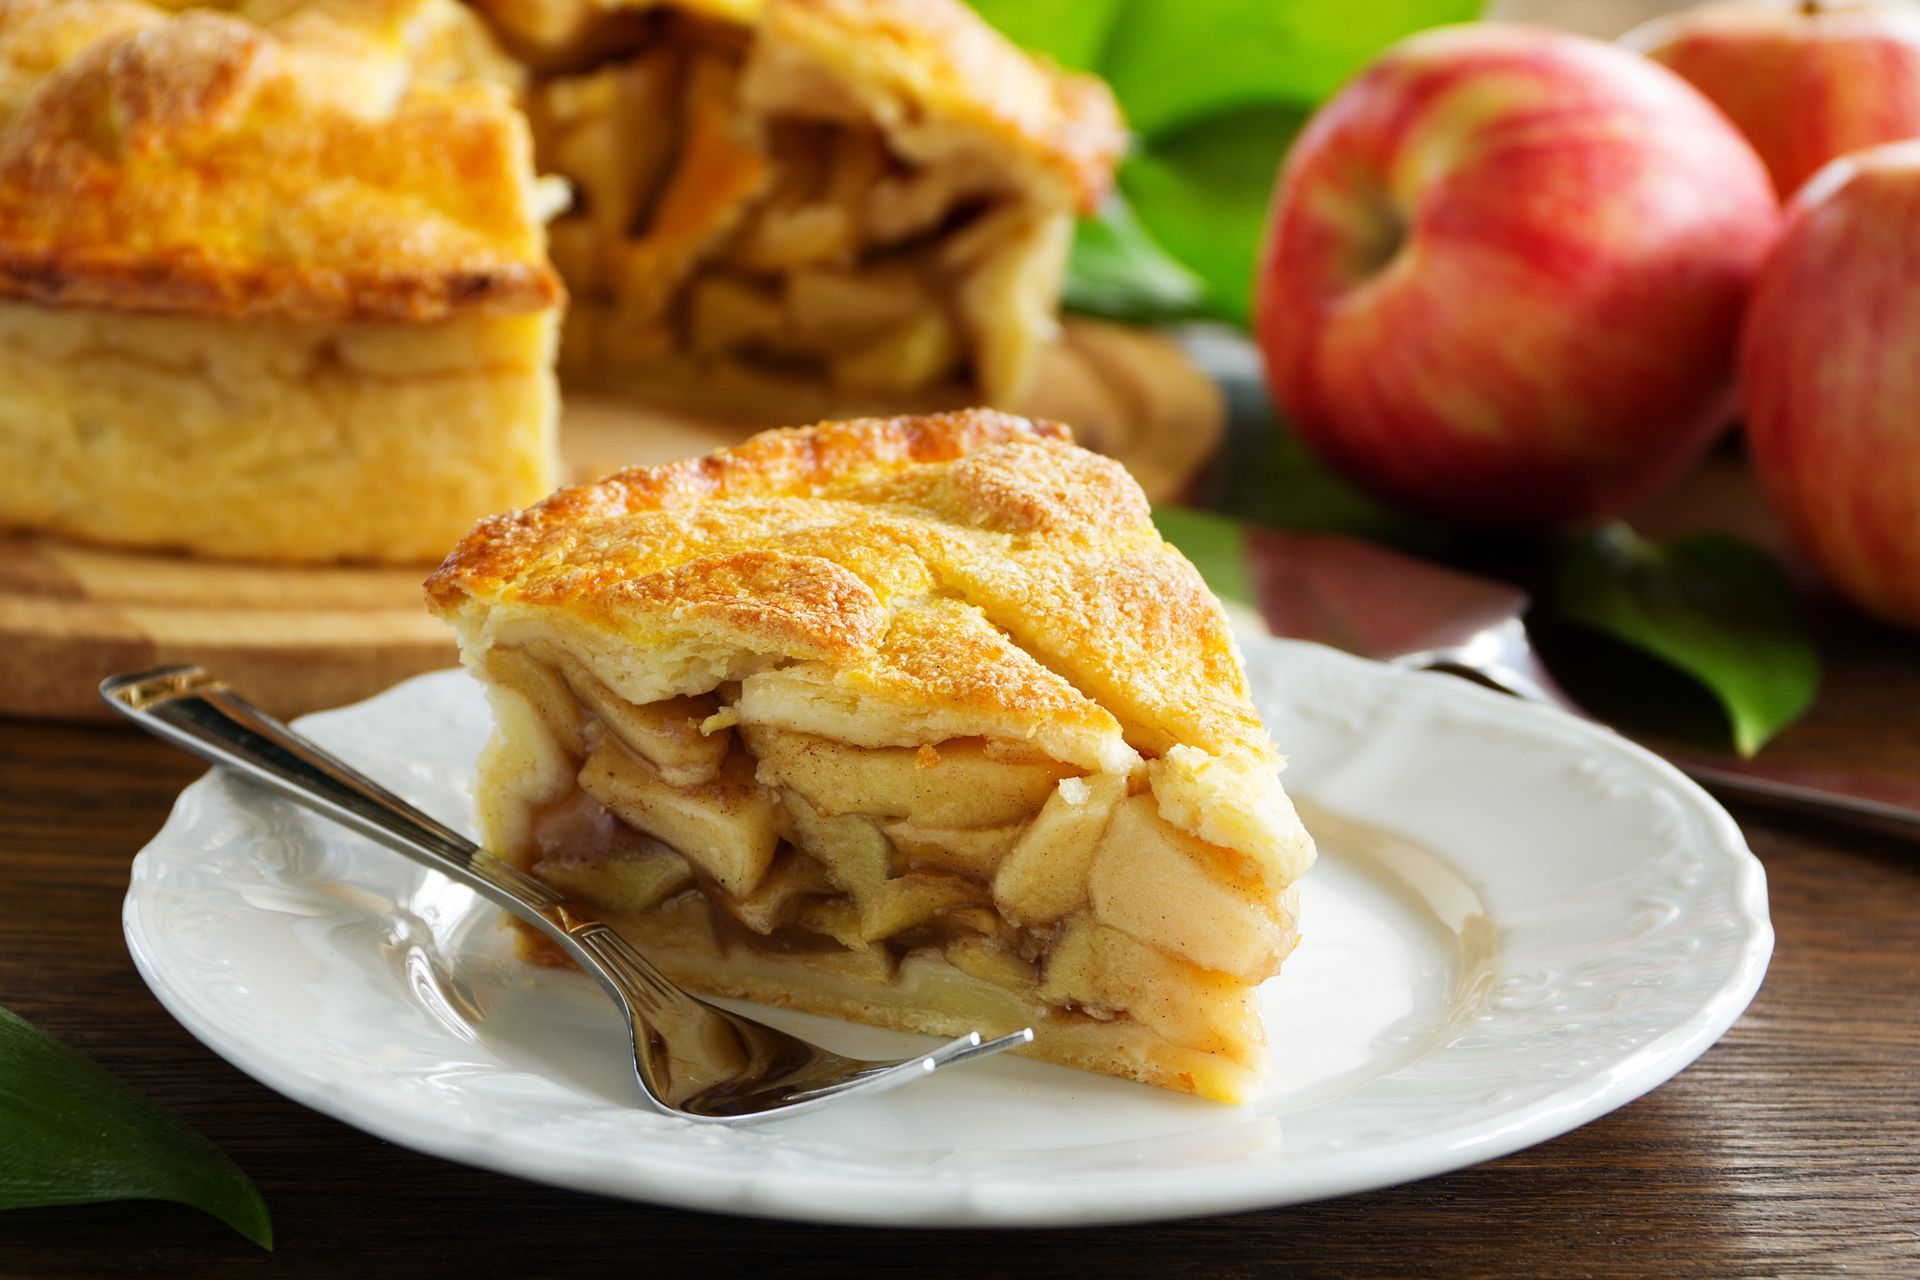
(353, 160)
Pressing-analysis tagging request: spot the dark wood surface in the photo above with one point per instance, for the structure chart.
(1791, 1148)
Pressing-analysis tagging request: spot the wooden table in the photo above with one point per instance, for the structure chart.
(1792, 1147)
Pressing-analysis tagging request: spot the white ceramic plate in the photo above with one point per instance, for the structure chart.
(1558, 923)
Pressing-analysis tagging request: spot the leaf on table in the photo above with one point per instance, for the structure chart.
(1120, 272)
(1719, 609)
(70, 1133)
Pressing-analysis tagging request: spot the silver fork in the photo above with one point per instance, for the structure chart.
(692, 1059)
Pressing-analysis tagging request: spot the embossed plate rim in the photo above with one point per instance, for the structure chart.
(671, 1163)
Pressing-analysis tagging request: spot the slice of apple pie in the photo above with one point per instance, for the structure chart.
(916, 722)
(810, 203)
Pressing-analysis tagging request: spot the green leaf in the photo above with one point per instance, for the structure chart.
(70, 1133)
(1718, 608)
(1119, 271)
(1173, 64)
(1203, 193)
(1216, 545)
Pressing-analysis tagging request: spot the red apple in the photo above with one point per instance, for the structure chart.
(1504, 274)
(1804, 81)
(1830, 366)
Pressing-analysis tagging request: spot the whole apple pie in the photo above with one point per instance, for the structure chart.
(916, 722)
(787, 206)
(273, 282)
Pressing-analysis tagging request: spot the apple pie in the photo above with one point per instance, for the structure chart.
(796, 206)
(915, 722)
(273, 282)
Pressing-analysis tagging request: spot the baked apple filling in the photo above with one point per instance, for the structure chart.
(916, 722)
(978, 877)
(790, 205)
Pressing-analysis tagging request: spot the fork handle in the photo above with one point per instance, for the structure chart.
(191, 708)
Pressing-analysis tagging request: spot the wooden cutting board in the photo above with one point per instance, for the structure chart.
(297, 639)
